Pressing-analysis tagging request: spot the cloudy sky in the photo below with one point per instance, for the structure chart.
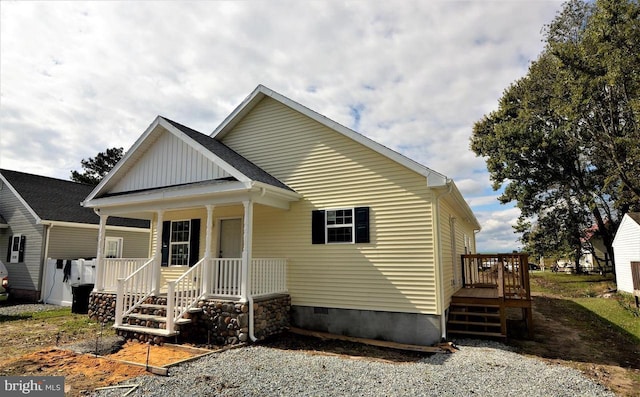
(78, 77)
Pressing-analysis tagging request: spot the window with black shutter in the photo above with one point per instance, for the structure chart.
(340, 226)
(180, 242)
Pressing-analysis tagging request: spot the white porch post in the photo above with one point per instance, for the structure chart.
(102, 235)
(245, 286)
(157, 257)
(206, 271)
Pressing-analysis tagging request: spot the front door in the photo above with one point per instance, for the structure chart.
(230, 238)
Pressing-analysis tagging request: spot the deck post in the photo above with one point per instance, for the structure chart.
(206, 270)
(102, 236)
(157, 255)
(245, 288)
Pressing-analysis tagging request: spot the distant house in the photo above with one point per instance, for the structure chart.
(284, 214)
(595, 257)
(626, 248)
(42, 218)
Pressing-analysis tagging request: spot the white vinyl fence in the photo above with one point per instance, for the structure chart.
(57, 291)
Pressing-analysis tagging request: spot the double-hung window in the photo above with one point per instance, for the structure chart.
(179, 252)
(340, 226)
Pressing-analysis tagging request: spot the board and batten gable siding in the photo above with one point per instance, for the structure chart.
(24, 275)
(626, 247)
(170, 161)
(396, 270)
(77, 242)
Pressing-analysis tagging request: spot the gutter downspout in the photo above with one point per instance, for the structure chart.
(443, 320)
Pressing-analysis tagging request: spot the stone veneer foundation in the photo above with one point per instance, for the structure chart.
(221, 322)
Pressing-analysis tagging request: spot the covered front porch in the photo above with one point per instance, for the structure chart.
(200, 253)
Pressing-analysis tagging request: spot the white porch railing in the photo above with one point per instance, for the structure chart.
(226, 277)
(133, 290)
(114, 268)
(268, 276)
(183, 293)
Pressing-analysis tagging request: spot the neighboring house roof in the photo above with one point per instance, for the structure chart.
(51, 199)
(635, 216)
(240, 163)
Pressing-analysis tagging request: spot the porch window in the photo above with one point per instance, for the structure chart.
(113, 247)
(343, 225)
(180, 242)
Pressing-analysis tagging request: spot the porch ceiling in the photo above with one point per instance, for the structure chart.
(143, 204)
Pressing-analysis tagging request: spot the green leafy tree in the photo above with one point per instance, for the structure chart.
(94, 169)
(564, 142)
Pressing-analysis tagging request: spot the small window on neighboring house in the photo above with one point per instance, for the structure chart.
(113, 247)
(15, 252)
(343, 225)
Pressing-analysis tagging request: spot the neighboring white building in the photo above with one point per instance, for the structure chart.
(626, 248)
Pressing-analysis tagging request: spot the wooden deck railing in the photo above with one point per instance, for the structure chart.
(509, 273)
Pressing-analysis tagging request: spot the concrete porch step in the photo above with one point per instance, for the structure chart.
(157, 319)
(146, 330)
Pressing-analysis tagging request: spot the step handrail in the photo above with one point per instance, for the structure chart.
(183, 293)
(133, 290)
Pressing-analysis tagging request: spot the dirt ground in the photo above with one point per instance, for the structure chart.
(565, 334)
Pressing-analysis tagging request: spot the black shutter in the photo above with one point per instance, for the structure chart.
(362, 224)
(23, 240)
(317, 227)
(166, 236)
(194, 243)
(9, 249)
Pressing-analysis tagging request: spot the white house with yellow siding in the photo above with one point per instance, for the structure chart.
(281, 204)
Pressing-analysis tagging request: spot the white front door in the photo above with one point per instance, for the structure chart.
(230, 238)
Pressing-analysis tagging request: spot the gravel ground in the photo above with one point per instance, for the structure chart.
(14, 309)
(480, 368)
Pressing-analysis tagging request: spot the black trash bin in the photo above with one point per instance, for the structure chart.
(81, 292)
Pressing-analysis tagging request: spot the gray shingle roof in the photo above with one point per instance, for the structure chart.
(227, 154)
(59, 200)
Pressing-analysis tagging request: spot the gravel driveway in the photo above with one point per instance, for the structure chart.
(479, 369)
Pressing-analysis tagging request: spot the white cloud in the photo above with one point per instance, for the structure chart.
(497, 234)
(78, 77)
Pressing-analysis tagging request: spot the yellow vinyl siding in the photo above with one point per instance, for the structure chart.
(235, 211)
(396, 271)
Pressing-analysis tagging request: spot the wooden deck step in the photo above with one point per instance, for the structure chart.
(477, 333)
(477, 323)
(475, 314)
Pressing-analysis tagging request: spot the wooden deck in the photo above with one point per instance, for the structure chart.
(492, 284)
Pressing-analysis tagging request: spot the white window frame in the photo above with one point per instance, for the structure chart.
(119, 241)
(336, 226)
(173, 243)
(15, 253)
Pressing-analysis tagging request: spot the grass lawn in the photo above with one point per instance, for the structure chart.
(587, 291)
